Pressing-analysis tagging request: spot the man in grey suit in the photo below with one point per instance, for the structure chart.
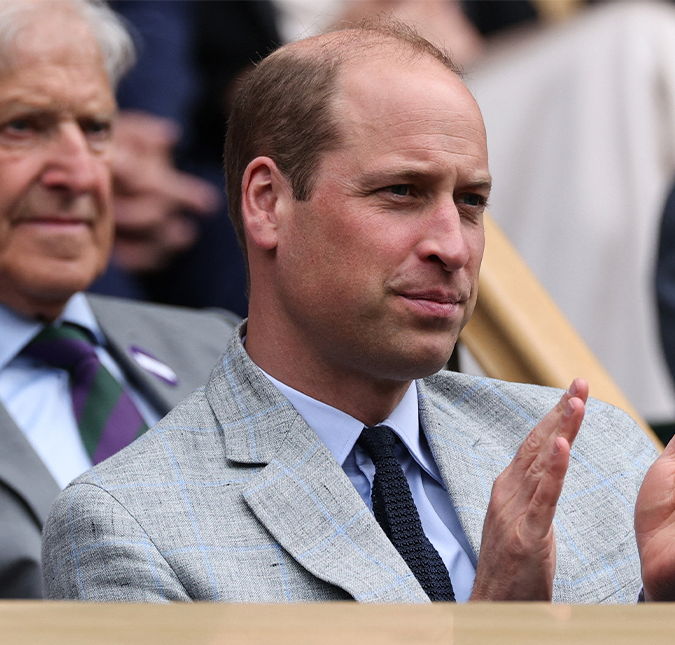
(358, 176)
(59, 61)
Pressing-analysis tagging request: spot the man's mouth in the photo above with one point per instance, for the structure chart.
(435, 303)
(57, 220)
(437, 296)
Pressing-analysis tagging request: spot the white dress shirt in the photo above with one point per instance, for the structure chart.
(339, 432)
(38, 396)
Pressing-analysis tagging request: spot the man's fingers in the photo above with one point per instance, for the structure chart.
(522, 477)
(542, 482)
(542, 505)
(191, 193)
(143, 131)
(517, 528)
(581, 389)
(549, 426)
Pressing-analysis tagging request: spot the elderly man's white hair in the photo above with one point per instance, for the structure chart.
(115, 42)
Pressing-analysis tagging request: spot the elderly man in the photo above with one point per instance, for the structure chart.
(79, 377)
(358, 177)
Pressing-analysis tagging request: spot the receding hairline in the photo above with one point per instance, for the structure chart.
(286, 107)
(346, 44)
(342, 49)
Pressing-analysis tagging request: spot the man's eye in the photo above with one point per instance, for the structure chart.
(18, 126)
(473, 199)
(22, 127)
(99, 129)
(402, 190)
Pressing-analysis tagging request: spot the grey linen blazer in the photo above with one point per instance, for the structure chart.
(189, 342)
(232, 497)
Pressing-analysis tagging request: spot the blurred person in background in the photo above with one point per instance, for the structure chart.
(80, 376)
(175, 242)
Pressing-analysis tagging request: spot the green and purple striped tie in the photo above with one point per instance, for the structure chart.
(106, 416)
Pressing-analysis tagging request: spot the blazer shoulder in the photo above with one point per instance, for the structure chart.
(189, 438)
(166, 351)
(503, 406)
(447, 385)
(114, 308)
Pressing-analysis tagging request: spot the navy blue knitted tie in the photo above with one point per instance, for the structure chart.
(395, 510)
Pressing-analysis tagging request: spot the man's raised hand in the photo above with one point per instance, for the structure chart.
(655, 527)
(517, 555)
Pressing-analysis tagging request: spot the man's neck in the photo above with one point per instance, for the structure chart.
(41, 310)
(358, 394)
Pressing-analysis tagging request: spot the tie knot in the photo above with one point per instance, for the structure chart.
(65, 346)
(379, 442)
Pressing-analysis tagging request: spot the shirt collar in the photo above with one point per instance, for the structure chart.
(337, 429)
(17, 330)
(340, 431)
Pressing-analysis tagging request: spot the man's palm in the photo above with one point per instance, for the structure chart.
(655, 527)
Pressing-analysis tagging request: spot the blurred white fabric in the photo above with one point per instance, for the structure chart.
(581, 136)
(303, 18)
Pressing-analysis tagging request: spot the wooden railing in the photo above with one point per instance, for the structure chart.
(346, 623)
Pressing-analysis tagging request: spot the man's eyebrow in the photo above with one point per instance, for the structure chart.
(395, 173)
(36, 105)
(408, 174)
(14, 104)
(484, 184)
(400, 174)
(13, 99)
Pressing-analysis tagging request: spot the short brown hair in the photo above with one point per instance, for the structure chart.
(284, 107)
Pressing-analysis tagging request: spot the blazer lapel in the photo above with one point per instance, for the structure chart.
(302, 496)
(22, 470)
(467, 459)
(124, 331)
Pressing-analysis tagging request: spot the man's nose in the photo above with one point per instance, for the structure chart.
(71, 164)
(444, 239)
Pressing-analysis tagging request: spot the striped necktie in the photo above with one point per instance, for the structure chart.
(395, 511)
(106, 416)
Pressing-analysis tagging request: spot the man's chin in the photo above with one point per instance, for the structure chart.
(412, 366)
(32, 307)
(45, 296)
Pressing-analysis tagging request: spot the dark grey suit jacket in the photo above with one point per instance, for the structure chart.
(188, 341)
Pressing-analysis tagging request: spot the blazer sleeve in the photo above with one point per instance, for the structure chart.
(93, 549)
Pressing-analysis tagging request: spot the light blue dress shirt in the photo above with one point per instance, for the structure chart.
(339, 432)
(38, 397)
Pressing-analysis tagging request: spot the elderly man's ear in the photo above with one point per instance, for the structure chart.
(267, 197)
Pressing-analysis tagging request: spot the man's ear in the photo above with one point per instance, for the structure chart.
(266, 196)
